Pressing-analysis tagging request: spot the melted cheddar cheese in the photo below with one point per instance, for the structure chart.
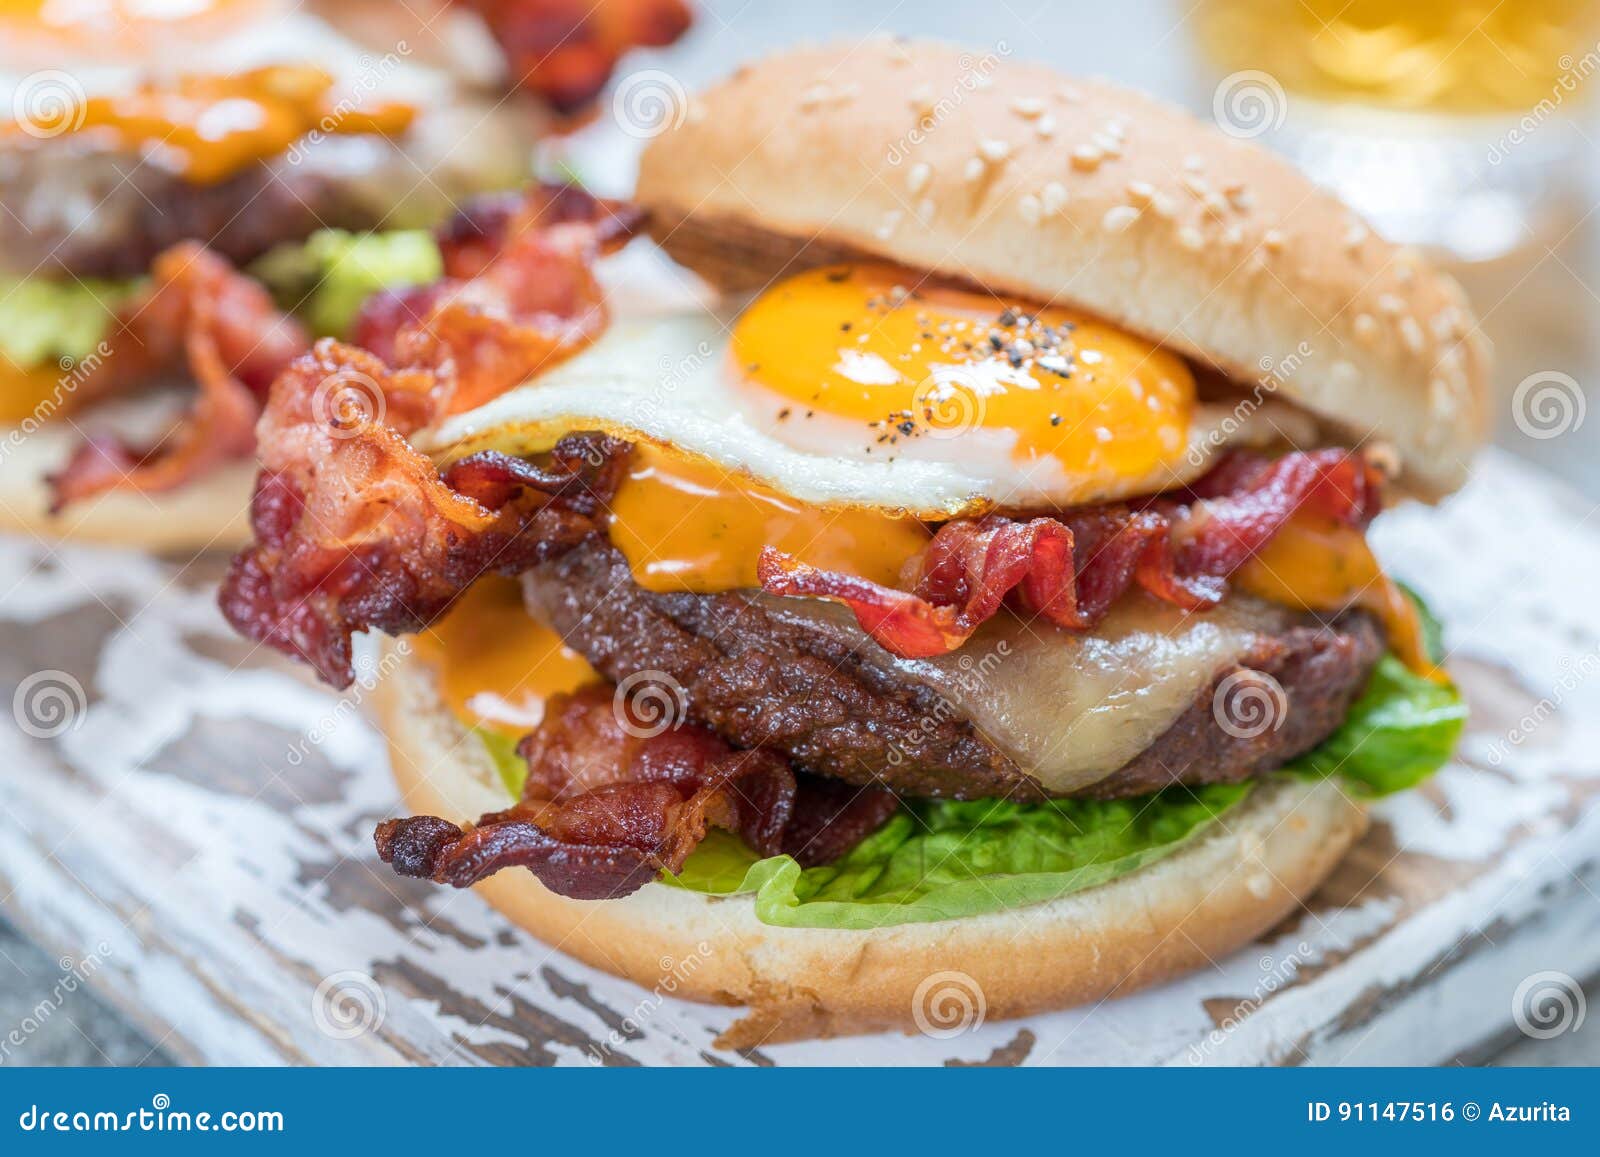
(687, 525)
(495, 663)
(1316, 564)
(35, 393)
(209, 127)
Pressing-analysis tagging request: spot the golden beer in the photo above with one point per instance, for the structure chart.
(1438, 56)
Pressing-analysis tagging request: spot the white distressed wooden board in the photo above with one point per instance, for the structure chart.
(202, 830)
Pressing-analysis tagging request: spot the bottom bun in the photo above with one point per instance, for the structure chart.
(1212, 895)
(212, 512)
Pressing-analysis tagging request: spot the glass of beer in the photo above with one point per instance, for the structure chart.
(1448, 123)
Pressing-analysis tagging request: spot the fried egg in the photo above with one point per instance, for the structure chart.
(856, 387)
(56, 56)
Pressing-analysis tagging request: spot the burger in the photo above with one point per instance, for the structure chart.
(175, 233)
(982, 587)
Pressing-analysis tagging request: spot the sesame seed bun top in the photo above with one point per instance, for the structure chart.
(1016, 178)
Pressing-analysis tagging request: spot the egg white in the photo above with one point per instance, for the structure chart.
(671, 381)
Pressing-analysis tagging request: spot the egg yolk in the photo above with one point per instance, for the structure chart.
(209, 127)
(687, 525)
(495, 663)
(867, 343)
(1316, 564)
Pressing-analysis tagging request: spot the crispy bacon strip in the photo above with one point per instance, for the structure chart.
(355, 528)
(565, 50)
(199, 314)
(1070, 568)
(519, 292)
(609, 806)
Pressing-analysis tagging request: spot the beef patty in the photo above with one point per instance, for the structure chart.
(836, 705)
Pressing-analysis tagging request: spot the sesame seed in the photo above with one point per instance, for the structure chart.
(1354, 236)
(1046, 126)
(1344, 375)
(1119, 219)
(1191, 238)
(1390, 305)
(1411, 334)
(1164, 205)
(891, 221)
(1232, 235)
(921, 98)
(1031, 208)
(974, 170)
(917, 178)
(1196, 185)
(1053, 198)
(1027, 107)
(1215, 205)
(1366, 328)
(1194, 163)
(1272, 241)
(813, 96)
(1441, 397)
(926, 210)
(1141, 192)
(1068, 95)
(993, 150)
(1086, 158)
(1107, 144)
(1117, 129)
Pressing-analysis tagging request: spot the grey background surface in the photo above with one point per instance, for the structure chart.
(1143, 42)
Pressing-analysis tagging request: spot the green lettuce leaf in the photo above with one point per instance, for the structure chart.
(502, 751)
(325, 278)
(43, 321)
(941, 859)
(1399, 732)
